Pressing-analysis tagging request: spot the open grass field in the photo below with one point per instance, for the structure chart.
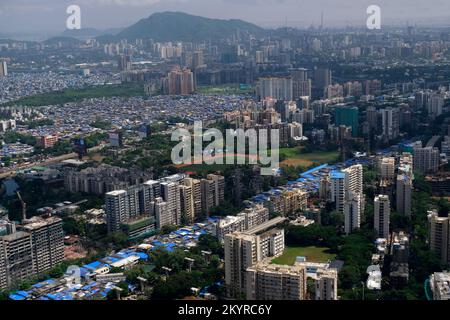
(294, 157)
(312, 254)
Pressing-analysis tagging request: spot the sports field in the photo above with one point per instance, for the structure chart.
(312, 254)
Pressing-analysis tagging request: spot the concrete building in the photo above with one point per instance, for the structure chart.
(440, 285)
(228, 225)
(187, 204)
(47, 237)
(213, 191)
(116, 208)
(345, 181)
(179, 82)
(439, 235)
(390, 123)
(338, 189)
(18, 250)
(382, 212)
(160, 211)
(404, 194)
(103, 178)
(276, 88)
(171, 195)
(3, 277)
(245, 220)
(195, 185)
(267, 281)
(426, 159)
(386, 168)
(3, 69)
(243, 250)
(352, 212)
(301, 85)
(326, 284)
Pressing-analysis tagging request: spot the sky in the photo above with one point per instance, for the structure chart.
(49, 16)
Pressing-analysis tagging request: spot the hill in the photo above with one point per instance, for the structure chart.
(177, 26)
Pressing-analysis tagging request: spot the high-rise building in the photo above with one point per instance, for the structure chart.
(18, 250)
(426, 159)
(372, 118)
(434, 104)
(382, 214)
(322, 78)
(47, 237)
(187, 204)
(243, 250)
(116, 208)
(197, 59)
(124, 62)
(196, 195)
(267, 281)
(160, 210)
(217, 188)
(386, 168)
(403, 194)
(354, 178)
(275, 88)
(3, 277)
(171, 194)
(347, 116)
(301, 85)
(179, 82)
(352, 212)
(439, 235)
(337, 189)
(3, 69)
(390, 123)
(371, 87)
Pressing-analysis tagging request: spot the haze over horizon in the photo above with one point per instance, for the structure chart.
(49, 16)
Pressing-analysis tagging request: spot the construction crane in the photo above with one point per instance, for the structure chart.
(24, 206)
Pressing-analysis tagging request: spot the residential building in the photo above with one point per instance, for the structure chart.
(382, 212)
(267, 281)
(404, 194)
(18, 250)
(275, 88)
(440, 285)
(326, 284)
(426, 159)
(47, 237)
(352, 212)
(243, 250)
(439, 235)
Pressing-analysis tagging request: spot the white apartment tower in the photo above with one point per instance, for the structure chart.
(352, 212)
(116, 208)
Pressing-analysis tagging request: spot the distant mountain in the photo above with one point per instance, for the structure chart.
(63, 40)
(173, 26)
(86, 33)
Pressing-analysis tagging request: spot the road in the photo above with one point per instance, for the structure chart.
(13, 172)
